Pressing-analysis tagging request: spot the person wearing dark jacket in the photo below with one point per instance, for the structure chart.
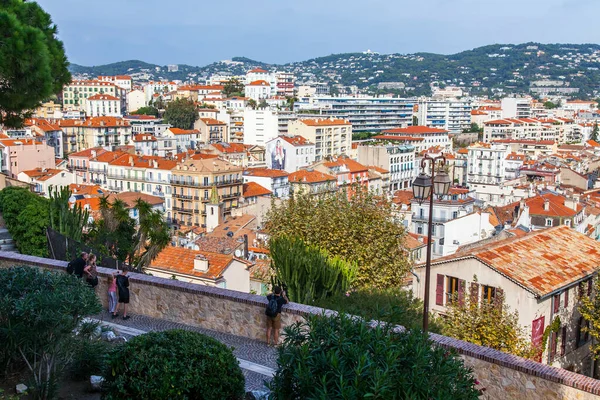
(79, 264)
(123, 290)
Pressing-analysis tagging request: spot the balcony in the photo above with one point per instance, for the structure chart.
(78, 168)
(230, 196)
(179, 182)
(182, 196)
(183, 210)
(425, 218)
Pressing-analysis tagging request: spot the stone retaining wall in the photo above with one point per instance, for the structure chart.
(503, 375)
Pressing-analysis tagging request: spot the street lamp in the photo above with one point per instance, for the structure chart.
(423, 189)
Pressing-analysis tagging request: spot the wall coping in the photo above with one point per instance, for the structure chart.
(543, 371)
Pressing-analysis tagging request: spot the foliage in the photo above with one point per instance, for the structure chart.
(309, 273)
(344, 358)
(173, 364)
(550, 105)
(233, 87)
(594, 135)
(363, 135)
(590, 311)
(181, 113)
(26, 216)
(357, 227)
(489, 324)
(263, 104)
(90, 352)
(148, 110)
(38, 312)
(252, 103)
(116, 233)
(395, 306)
(33, 64)
(473, 128)
(64, 219)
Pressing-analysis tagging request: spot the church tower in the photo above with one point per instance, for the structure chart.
(214, 211)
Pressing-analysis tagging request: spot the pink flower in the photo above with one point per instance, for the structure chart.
(347, 294)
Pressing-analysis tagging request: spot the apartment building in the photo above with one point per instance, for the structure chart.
(17, 155)
(50, 133)
(43, 179)
(422, 137)
(123, 81)
(310, 181)
(285, 83)
(486, 169)
(76, 93)
(103, 105)
(289, 153)
(212, 130)
(106, 132)
(274, 180)
(260, 126)
(148, 124)
(258, 90)
(135, 100)
(175, 140)
(192, 182)
(332, 137)
(366, 114)
(152, 88)
(399, 160)
(450, 115)
(515, 107)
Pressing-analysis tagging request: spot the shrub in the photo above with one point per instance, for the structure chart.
(173, 364)
(38, 312)
(90, 352)
(395, 306)
(343, 357)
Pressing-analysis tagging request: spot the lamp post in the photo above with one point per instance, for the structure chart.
(425, 186)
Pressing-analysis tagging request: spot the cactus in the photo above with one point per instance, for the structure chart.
(68, 221)
(309, 273)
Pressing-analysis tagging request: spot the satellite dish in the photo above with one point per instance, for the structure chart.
(239, 253)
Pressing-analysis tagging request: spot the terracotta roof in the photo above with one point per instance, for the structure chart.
(393, 137)
(41, 175)
(100, 96)
(144, 137)
(18, 142)
(324, 122)
(478, 112)
(402, 197)
(229, 147)
(87, 153)
(556, 206)
(207, 164)
(378, 169)
(542, 261)
(177, 131)
(259, 83)
(130, 198)
(306, 176)
(42, 124)
(515, 157)
(413, 243)
(257, 71)
(265, 172)
(95, 122)
(129, 160)
(212, 121)
(593, 143)
(295, 140)
(181, 260)
(253, 189)
(108, 156)
(414, 130)
(86, 190)
(353, 166)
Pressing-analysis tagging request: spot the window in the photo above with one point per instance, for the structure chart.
(563, 341)
(548, 221)
(488, 293)
(556, 303)
(553, 346)
(582, 335)
(568, 223)
(451, 288)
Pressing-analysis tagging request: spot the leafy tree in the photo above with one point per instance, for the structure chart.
(489, 324)
(233, 87)
(148, 110)
(396, 306)
(151, 238)
(590, 311)
(263, 104)
(39, 311)
(309, 273)
(473, 128)
(64, 219)
(181, 113)
(252, 103)
(358, 228)
(594, 135)
(341, 357)
(33, 64)
(550, 105)
(415, 120)
(175, 364)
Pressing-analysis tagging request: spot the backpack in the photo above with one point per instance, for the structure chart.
(272, 307)
(70, 268)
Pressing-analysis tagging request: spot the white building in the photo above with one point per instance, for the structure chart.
(289, 153)
(486, 169)
(260, 126)
(450, 115)
(123, 81)
(136, 99)
(274, 180)
(258, 90)
(332, 137)
(103, 105)
(422, 137)
(43, 179)
(513, 164)
(148, 124)
(516, 107)
(399, 160)
(152, 88)
(76, 93)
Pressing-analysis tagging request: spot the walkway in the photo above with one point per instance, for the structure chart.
(257, 360)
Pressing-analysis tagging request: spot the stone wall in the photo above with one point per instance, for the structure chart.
(504, 376)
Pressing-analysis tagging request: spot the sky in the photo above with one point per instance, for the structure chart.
(198, 32)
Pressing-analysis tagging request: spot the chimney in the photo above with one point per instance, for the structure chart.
(546, 204)
(131, 160)
(200, 263)
(155, 163)
(245, 247)
(93, 153)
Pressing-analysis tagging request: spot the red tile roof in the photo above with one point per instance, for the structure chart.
(212, 121)
(88, 152)
(259, 83)
(177, 131)
(265, 172)
(257, 71)
(253, 189)
(100, 96)
(296, 140)
(18, 142)
(556, 206)
(306, 176)
(404, 138)
(181, 260)
(229, 147)
(40, 174)
(130, 198)
(414, 130)
(42, 124)
(353, 166)
(144, 137)
(324, 122)
(542, 261)
(95, 122)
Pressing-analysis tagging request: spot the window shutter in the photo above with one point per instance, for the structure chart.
(474, 293)
(499, 297)
(589, 289)
(563, 341)
(461, 291)
(567, 298)
(578, 336)
(439, 290)
(553, 343)
(556, 303)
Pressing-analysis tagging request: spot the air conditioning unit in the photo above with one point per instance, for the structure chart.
(456, 242)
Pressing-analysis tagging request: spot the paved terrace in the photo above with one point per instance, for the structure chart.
(237, 319)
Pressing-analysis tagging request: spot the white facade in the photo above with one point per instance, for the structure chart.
(260, 126)
(276, 183)
(332, 137)
(103, 105)
(289, 153)
(451, 115)
(258, 90)
(152, 88)
(486, 169)
(399, 160)
(136, 99)
(515, 107)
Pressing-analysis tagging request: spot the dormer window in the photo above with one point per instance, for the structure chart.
(548, 221)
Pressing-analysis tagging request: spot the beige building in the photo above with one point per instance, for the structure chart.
(192, 182)
(18, 155)
(542, 275)
(212, 130)
(76, 93)
(332, 137)
(105, 132)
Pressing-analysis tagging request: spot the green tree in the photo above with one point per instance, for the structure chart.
(33, 64)
(148, 110)
(490, 324)
(357, 227)
(39, 310)
(415, 120)
(181, 113)
(341, 357)
(550, 105)
(252, 103)
(64, 219)
(233, 87)
(263, 104)
(309, 273)
(594, 136)
(151, 238)
(590, 311)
